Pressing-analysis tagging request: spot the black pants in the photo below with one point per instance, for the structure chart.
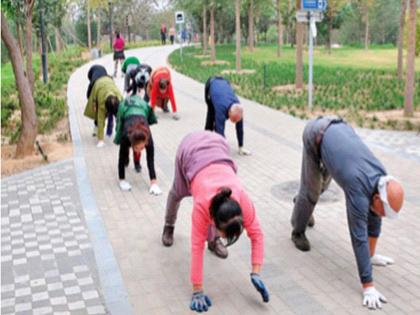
(125, 145)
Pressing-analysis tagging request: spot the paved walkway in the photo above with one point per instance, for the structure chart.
(47, 261)
(322, 281)
(155, 278)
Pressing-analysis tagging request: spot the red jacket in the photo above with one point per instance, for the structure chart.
(157, 74)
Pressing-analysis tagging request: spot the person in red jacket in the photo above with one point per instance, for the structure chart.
(160, 90)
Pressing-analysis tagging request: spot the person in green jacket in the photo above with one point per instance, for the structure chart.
(103, 101)
(133, 120)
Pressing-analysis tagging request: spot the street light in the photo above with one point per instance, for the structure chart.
(110, 23)
(43, 44)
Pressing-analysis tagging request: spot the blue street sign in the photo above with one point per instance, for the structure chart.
(314, 5)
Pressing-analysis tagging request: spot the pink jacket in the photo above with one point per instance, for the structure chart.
(118, 44)
(203, 187)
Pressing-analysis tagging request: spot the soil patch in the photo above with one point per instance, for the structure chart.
(287, 89)
(215, 63)
(243, 71)
(56, 145)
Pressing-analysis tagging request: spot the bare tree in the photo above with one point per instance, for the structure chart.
(411, 53)
(299, 52)
(88, 24)
(401, 39)
(238, 34)
(28, 133)
(251, 25)
(205, 32)
(28, 7)
(212, 39)
(279, 30)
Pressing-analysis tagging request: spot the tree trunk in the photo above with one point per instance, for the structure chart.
(19, 37)
(251, 25)
(401, 40)
(212, 39)
(279, 30)
(411, 52)
(58, 44)
(88, 25)
(299, 52)
(238, 34)
(205, 32)
(28, 39)
(98, 29)
(28, 133)
(367, 28)
(330, 27)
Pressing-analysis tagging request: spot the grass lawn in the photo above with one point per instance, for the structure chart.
(351, 82)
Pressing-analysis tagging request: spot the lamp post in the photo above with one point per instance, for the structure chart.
(110, 23)
(43, 45)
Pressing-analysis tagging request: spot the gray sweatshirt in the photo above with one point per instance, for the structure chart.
(354, 167)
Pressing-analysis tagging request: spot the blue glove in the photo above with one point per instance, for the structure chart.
(259, 285)
(200, 302)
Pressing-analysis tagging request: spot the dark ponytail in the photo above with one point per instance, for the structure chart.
(227, 215)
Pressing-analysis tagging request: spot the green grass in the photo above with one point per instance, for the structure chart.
(349, 82)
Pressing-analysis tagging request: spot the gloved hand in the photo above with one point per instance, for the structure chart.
(379, 260)
(243, 151)
(372, 298)
(100, 144)
(175, 116)
(259, 285)
(124, 185)
(155, 190)
(200, 302)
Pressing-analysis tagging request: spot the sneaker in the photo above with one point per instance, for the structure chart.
(301, 242)
(95, 131)
(216, 246)
(168, 235)
(311, 221)
(165, 108)
(137, 167)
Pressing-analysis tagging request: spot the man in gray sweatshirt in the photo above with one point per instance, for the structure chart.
(333, 150)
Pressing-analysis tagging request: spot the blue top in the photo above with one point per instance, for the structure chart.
(354, 167)
(223, 97)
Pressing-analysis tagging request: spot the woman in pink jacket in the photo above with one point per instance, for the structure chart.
(205, 171)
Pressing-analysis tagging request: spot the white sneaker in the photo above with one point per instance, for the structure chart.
(95, 131)
(175, 116)
(243, 151)
(155, 190)
(100, 144)
(124, 185)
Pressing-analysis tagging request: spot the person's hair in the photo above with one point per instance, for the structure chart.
(111, 104)
(227, 215)
(117, 33)
(138, 133)
(163, 83)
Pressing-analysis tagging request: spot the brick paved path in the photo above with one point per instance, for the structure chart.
(323, 281)
(47, 261)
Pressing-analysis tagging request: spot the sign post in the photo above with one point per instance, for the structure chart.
(311, 12)
(180, 19)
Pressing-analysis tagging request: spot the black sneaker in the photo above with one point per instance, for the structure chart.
(137, 167)
(311, 221)
(301, 242)
(168, 235)
(165, 108)
(216, 246)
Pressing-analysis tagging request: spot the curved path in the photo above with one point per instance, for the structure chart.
(156, 278)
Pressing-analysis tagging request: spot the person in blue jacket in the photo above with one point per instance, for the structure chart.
(223, 104)
(333, 150)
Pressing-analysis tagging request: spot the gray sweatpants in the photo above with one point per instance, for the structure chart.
(314, 179)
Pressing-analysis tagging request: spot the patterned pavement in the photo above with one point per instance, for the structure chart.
(155, 279)
(47, 262)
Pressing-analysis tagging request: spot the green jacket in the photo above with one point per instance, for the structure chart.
(129, 61)
(133, 105)
(95, 107)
